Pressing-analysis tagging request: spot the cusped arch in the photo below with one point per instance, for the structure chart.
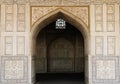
(52, 16)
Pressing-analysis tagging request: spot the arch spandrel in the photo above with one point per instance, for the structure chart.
(80, 12)
(39, 22)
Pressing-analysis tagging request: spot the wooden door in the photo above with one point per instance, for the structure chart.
(61, 56)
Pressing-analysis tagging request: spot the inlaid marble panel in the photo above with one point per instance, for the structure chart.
(98, 18)
(111, 41)
(21, 26)
(99, 45)
(9, 26)
(21, 45)
(8, 45)
(99, 26)
(105, 69)
(9, 18)
(21, 18)
(110, 18)
(110, 26)
(14, 69)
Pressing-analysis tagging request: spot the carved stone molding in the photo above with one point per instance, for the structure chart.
(58, 2)
(81, 12)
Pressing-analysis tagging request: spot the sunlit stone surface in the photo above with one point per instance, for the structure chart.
(22, 20)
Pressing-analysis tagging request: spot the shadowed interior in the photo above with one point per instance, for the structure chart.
(59, 54)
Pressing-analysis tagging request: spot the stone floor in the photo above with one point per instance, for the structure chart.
(59, 79)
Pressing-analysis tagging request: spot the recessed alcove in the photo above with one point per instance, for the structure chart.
(60, 54)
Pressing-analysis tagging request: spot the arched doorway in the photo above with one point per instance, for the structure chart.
(78, 25)
(59, 51)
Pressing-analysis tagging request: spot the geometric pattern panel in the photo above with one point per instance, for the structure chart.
(14, 69)
(105, 69)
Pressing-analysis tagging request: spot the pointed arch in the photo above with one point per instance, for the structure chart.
(67, 16)
(70, 18)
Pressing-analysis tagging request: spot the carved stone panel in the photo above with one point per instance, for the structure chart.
(44, 2)
(70, 2)
(8, 45)
(14, 69)
(105, 69)
(111, 41)
(20, 1)
(80, 12)
(104, 1)
(21, 18)
(98, 18)
(111, 26)
(110, 18)
(99, 45)
(59, 2)
(39, 12)
(9, 18)
(21, 45)
(84, 1)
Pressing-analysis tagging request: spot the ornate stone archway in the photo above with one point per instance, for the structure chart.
(101, 34)
(74, 19)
